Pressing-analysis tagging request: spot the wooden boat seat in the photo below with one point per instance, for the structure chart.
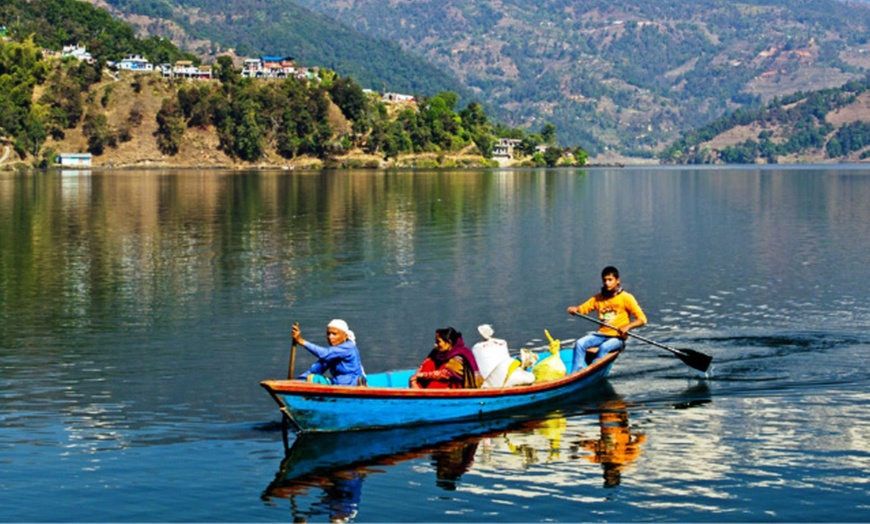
(591, 353)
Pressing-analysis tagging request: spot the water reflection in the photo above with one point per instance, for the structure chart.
(619, 445)
(616, 447)
(323, 475)
(452, 460)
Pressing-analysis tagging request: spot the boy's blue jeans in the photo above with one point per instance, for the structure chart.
(605, 345)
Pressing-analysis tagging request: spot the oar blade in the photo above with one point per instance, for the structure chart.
(695, 359)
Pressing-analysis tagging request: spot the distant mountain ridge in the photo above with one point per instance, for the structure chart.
(631, 74)
(627, 75)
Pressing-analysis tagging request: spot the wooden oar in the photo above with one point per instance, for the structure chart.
(692, 358)
(292, 358)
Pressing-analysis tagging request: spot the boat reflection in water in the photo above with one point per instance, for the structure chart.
(337, 463)
(322, 474)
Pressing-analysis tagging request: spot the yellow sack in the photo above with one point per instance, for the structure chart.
(551, 367)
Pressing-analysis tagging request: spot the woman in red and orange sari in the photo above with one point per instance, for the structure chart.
(450, 364)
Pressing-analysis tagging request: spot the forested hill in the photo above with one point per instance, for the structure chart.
(633, 74)
(279, 27)
(830, 125)
(53, 24)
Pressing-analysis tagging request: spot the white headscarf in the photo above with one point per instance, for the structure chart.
(337, 323)
(485, 331)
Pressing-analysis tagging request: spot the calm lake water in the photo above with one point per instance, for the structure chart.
(140, 310)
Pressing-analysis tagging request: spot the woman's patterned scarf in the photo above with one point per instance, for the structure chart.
(469, 374)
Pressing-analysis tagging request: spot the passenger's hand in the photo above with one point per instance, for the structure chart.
(296, 333)
(572, 310)
(413, 382)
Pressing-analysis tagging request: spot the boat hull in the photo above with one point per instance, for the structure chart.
(323, 408)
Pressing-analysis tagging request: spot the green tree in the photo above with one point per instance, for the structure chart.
(100, 136)
(529, 144)
(473, 116)
(170, 127)
(580, 156)
(552, 155)
(21, 69)
(349, 97)
(249, 135)
(450, 99)
(226, 71)
(63, 98)
(33, 133)
(548, 134)
(484, 142)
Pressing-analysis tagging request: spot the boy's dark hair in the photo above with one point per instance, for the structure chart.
(610, 270)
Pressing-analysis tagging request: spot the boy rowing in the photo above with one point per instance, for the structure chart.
(615, 307)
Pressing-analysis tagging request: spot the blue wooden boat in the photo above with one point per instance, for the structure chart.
(388, 402)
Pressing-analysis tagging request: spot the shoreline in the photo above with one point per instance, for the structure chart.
(23, 167)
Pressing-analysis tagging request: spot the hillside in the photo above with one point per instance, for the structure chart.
(126, 106)
(255, 28)
(827, 126)
(198, 146)
(53, 104)
(831, 125)
(53, 24)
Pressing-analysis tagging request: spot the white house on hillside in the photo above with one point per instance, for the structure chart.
(135, 63)
(77, 51)
(269, 67)
(505, 147)
(186, 69)
(398, 97)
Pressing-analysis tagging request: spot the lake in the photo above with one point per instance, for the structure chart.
(139, 310)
